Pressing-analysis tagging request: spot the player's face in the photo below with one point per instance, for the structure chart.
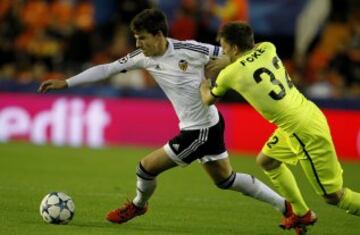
(228, 50)
(150, 44)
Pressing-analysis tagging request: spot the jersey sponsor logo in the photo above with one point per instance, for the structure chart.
(253, 56)
(183, 65)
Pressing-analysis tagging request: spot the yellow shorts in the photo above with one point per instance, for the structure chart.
(311, 145)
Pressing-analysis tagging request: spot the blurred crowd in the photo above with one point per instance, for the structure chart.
(331, 66)
(44, 39)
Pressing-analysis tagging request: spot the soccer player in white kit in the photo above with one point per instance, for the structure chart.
(178, 68)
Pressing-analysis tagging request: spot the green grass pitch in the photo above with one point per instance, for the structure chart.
(186, 201)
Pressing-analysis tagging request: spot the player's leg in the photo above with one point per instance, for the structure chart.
(224, 177)
(149, 167)
(275, 153)
(349, 201)
(327, 182)
(324, 171)
(146, 172)
(181, 150)
(214, 157)
(285, 183)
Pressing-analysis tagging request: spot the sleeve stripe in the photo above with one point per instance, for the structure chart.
(135, 53)
(216, 51)
(192, 47)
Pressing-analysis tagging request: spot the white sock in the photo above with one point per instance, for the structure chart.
(144, 190)
(250, 186)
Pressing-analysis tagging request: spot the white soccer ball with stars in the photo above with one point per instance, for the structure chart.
(57, 208)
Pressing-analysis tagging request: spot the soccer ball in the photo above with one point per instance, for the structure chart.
(57, 208)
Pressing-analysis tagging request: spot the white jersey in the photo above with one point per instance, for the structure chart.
(178, 72)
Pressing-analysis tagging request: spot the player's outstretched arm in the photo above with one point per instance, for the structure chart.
(52, 84)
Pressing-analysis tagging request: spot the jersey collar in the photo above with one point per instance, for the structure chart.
(170, 49)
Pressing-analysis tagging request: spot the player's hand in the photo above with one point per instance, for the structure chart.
(52, 84)
(213, 68)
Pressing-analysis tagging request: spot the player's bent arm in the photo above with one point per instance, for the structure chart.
(214, 66)
(205, 91)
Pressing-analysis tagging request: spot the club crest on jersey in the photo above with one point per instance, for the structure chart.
(183, 65)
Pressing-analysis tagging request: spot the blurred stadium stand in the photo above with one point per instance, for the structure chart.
(319, 41)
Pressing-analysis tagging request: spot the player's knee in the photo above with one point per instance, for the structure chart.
(266, 162)
(332, 201)
(143, 173)
(259, 161)
(227, 183)
(333, 198)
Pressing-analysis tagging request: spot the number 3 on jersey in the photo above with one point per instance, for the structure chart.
(260, 71)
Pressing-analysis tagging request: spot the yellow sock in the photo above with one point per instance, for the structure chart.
(286, 185)
(350, 202)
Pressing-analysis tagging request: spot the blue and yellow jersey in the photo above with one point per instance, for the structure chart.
(261, 78)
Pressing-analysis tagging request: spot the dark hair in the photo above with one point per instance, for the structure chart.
(150, 20)
(239, 34)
